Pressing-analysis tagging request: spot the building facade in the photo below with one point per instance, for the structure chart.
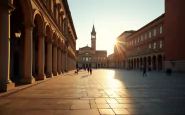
(110, 61)
(37, 40)
(145, 47)
(89, 56)
(174, 29)
(159, 44)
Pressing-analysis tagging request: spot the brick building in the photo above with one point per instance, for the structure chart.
(145, 46)
(159, 44)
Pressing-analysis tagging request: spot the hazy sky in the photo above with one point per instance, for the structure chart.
(111, 18)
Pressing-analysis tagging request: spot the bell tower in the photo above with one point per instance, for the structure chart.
(93, 38)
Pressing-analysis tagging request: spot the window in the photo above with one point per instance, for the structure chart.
(160, 44)
(145, 36)
(87, 59)
(154, 45)
(154, 32)
(149, 34)
(86, 53)
(83, 58)
(160, 29)
(149, 46)
(138, 39)
(141, 38)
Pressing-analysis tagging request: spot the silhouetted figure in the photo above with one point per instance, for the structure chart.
(144, 72)
(90, 70)
(168, 72)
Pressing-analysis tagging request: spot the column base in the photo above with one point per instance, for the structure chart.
(49, 75)
(41, 77)
(59, 72)
(4, 87)
(27, 80)
(55, 73)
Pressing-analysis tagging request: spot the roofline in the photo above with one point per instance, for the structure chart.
(161, 16)
(131, 31)
(70, 17)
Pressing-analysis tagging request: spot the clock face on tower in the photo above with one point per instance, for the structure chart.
(93, 36)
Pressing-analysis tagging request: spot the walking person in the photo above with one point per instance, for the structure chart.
(90, 69)
(144, 72)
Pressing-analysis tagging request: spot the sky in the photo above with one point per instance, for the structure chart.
(111, 18)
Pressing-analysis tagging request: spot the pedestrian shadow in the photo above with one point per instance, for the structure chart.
(84, 76)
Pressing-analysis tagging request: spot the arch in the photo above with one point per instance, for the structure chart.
(154, 62)
(149, 63)
(144, 62)
(48, 32)
(54, 37)
(137, 63)
(27, 9)
(37, 16)
(159, 61)
(141, 63)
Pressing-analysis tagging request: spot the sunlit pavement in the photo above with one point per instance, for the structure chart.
(105, 92)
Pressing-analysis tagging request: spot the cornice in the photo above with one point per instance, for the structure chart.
(47, 14)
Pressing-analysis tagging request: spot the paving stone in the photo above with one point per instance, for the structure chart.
(121, 111)
(126, 92)
(80, 106)
(106, 111)
(84, 112)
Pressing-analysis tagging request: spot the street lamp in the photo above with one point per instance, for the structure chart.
(18, 33)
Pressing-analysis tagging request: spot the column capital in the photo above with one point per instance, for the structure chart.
(54, 44)
(29, 25)
(11, 7)
(42, 35)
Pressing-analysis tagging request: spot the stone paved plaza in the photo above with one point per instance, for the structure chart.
(105, 92)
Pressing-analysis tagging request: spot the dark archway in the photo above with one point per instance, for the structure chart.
(137, 63)
(141, 63)
(17, 44)
(154, 62)
(149, 63)
(159, 62)
(144, 63)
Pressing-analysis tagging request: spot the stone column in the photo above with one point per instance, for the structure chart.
(55, 60)
(59, 60)
(61, 69)
(66, 60)
(49, 59)
(41, 58)
(28, 54)
(5, 82)
(151, 63)
(156, 61)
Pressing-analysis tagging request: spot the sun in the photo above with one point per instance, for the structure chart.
(115, 41)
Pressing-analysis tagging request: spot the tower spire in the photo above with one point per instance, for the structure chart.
(93, 30)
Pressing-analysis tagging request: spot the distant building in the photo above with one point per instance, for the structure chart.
(120, 49)
(89, 56)
(110, 61)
